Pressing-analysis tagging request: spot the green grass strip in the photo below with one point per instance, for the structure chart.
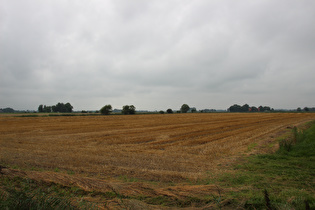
(287, 176)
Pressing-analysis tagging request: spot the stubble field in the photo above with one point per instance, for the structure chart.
(134, 161)
(151, 147)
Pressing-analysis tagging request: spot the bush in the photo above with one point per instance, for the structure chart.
(170, 111)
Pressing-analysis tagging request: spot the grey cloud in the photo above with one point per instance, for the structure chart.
(157, 54)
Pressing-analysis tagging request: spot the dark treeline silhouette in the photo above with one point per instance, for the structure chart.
(247, 108)
(60, 107)
(7, 110)
(306, 109)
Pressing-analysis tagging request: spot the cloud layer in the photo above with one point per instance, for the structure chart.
(157, 54)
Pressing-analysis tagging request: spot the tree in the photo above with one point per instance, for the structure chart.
(132, 109)
(161, 112)
(47, 109)
(7, 110)
(245, 108)
(184, 108)
(235, 108)
(129, 109)
(125, 109)
(267, 108)
(60, 107)
(170, 111)
(107, 109)
(68, 107)
(254, 109)
(299, 109)
(40, 108)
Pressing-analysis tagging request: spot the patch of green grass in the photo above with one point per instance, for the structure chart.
(63, 114)
(28, 115)
(174, 202)
(21, 193)
(251, 146)
(70, 172)
(125, 178)
(287, 175)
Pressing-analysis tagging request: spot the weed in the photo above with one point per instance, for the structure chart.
(128, 179)
(267, 200)
(251, 146)
(218, 198)
(175, 202)
(70, 172)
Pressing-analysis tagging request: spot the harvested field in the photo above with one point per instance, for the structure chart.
(170, 147)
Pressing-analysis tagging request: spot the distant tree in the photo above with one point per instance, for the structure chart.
(68, 107)
(299, 109)
(7, 110)
(193, 110)
(107, 109)
(267, 108)
(125, 109)
(161, 112)
(254, 109)
(170, 111)
(54, 108)
(47, 109)
(60, 107)
(235, 108)
(129, 109)
(306, 109)
(245, 108)
(184, 108)
(132, 109)
(40, 108)
(264, 109)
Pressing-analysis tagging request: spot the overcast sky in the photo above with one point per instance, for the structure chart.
(157, 54)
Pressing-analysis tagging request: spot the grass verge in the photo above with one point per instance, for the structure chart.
(21, 193)
(283, 180)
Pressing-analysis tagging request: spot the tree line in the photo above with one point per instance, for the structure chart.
(247, 108)
(305, 109)
(127, 109)
(59, 107)
(131, 109)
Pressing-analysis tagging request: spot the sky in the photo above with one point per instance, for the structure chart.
(157, 54)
